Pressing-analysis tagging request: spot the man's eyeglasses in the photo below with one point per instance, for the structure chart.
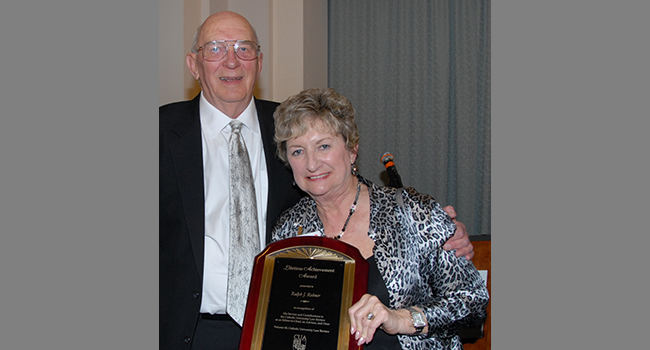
(216, 50)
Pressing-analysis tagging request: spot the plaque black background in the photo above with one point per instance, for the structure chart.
(328, 285)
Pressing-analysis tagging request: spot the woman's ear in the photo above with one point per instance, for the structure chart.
(354, 153)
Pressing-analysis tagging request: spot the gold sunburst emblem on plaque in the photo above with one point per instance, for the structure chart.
(310, 252)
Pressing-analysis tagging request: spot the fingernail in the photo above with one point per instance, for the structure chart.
(360, 341)
(351, 330)
(446, 246)
(356, 335)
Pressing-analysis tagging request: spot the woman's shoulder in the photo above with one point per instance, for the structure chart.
(417, 200)
(379, 193)
(293, 217)
(422, 211)
(297, 210)
(407, 197)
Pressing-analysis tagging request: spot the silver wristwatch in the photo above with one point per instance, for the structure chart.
(419, 322)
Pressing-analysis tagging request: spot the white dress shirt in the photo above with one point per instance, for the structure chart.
(215, 131)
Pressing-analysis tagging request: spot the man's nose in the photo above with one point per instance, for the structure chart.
(231, 60)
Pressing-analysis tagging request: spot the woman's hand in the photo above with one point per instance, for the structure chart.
(369, 313)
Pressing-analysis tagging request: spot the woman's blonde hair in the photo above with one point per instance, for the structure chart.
(298, 113)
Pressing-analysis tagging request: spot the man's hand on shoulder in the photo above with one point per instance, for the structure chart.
(460, 240)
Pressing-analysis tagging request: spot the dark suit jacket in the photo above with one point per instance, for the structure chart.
(181, 213)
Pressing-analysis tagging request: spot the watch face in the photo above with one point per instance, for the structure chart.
(418, 320)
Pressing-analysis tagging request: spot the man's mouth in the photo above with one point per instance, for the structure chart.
(230, 79)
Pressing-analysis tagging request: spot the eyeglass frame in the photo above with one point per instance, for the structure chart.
(236, 42)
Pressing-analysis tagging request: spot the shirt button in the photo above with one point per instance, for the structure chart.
(187, 340)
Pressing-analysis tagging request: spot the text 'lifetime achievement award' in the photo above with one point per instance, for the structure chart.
(300, 292)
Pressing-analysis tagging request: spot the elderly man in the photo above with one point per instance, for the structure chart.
(194, 182)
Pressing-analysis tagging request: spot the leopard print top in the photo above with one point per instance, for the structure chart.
(409, 229)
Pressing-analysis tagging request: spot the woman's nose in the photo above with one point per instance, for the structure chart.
(312, 163)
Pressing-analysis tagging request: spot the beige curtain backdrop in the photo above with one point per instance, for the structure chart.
(418, 74)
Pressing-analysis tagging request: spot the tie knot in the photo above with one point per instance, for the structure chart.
(235, 126)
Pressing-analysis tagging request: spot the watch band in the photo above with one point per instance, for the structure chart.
(418, 319)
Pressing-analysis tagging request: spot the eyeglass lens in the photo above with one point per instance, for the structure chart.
(214, 51)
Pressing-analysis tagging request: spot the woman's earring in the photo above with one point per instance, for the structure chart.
(354, 169)
(294, 183)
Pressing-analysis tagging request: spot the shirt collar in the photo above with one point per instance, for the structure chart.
(213, 120)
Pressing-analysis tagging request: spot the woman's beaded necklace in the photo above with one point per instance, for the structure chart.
(352, 209)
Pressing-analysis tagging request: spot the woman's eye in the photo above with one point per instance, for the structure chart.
(324, 146)
(296, 152)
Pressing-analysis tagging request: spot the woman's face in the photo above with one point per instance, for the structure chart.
(321, 163)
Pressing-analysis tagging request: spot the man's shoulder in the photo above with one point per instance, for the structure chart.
(265, 106)
(177, 107)
(266, 102)
(171, 113)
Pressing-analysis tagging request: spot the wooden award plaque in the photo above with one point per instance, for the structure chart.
(300, 293)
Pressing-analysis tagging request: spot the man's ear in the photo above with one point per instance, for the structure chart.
(259, 69)
(190, 61)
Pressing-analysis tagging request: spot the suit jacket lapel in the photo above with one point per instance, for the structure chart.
(187, 155)
(276, 170)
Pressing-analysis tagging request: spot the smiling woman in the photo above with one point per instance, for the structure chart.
(294, 117)
(318, 139)
(419, 302)
(321, 162)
